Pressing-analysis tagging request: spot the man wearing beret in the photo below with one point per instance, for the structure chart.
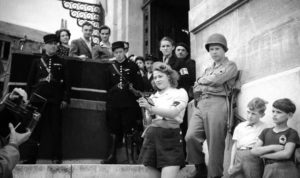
(48, 78)
(187, 70)
(122, 110)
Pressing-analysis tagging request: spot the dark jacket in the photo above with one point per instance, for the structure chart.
(55, 91)
(147, 83)
(121, 96)
(175, 63)
(187, 74)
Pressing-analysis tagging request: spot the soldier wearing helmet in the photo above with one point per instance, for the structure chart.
(209, 117)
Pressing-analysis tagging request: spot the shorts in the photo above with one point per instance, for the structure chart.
(162, 147)
(281, 169)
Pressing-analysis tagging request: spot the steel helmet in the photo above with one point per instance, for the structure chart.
(216, 39)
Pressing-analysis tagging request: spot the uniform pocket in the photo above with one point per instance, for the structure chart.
(220, 71)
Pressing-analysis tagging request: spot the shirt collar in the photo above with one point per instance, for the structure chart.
(106, 45)
(253, 125)
(222, 63)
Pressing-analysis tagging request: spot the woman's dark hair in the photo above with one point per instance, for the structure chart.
(166, 69)
(58, 32)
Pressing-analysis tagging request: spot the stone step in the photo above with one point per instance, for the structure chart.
(90, 171)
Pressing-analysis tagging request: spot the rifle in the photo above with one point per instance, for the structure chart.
(136, 93)
(233, 117)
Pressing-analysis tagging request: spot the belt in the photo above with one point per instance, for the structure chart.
(271, 161)
(245, 148)
(206, 96)
(45, 80)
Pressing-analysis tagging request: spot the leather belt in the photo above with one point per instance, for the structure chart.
(206, 96)
(45, 80)
(271, 161)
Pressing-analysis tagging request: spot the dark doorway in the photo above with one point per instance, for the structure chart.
(164, 18)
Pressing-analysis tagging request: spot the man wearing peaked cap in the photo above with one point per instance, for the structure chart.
(118, 44)
(50, 38)
(122, 110)
(48, 78)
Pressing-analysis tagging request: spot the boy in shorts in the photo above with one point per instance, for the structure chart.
(277, 145)
(245, 136)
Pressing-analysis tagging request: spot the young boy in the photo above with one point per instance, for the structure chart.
(245, 136)
(277, 145)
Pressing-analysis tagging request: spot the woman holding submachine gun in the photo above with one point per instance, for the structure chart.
(162, 149)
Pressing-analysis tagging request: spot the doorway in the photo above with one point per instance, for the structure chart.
(164, 18)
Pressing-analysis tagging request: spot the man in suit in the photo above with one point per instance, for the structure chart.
(82, 47)
(103, 52)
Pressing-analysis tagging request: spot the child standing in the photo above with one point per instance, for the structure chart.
(277, 145)
(245, 136)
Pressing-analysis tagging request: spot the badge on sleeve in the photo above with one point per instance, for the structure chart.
(282, 139)
(183, 71)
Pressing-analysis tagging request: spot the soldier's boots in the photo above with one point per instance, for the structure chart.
(112, 156)
(110, 160)
(201, 171)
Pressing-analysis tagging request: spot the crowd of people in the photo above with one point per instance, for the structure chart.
(154, 94)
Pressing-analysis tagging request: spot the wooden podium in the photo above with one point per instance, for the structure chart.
(84, 132)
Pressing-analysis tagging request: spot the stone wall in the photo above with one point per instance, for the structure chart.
(263, 39)
(125, 18)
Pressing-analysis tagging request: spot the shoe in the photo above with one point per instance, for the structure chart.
(110, 160)
(201, 171)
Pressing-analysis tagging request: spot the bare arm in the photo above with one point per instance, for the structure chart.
(166, 111)
(286, 153)
(169, 112)
(260, 150)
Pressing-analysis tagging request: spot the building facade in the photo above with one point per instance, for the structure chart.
(263, 39)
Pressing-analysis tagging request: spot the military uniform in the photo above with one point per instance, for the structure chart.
(49, 78)
(210, 117)
(123, 111)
